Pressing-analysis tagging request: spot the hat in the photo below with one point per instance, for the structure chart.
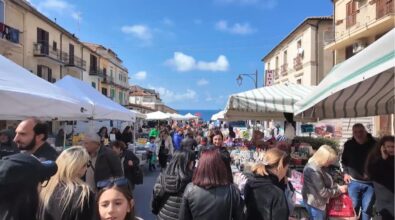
(22, 169)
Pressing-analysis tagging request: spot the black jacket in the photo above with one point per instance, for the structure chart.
(130, 171)
(167, 196)
(9, 147)
(46, 152)
(265, 199)
(188, 143)
(355, 155)
(107, 165)
(220, 203)
(72, 211)
(127, 138)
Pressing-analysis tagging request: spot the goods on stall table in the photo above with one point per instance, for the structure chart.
(296, 179)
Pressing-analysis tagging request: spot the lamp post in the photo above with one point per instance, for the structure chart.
(239, 78)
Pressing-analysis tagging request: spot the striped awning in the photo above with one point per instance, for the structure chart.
(266, 102)
(363, 85)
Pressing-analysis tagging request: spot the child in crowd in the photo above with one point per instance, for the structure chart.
(151, 156)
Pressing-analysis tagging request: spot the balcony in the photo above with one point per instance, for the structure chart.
(96, 71)
(298, 63)
(9, 40)
(383, 8)
(108, 79)
(76, 62)
(42, 49)
(276, 74)
(284, 69)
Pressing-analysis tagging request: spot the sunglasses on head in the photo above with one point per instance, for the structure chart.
(122, 181)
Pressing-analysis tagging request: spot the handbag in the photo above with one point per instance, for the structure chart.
(340, 206)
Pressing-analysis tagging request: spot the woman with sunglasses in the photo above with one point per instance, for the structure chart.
(115, 200)
(211, 195)
(66, 196)
(170, 186)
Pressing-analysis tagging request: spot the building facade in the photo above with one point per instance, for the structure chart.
(356, 24)
(300, 57)
(149, 98)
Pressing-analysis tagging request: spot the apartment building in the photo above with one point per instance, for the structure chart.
(148, 98)
(356, 24)
(113, 77)
(38, 43)
(300, 57)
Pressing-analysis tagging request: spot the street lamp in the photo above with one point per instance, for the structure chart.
(239, 78)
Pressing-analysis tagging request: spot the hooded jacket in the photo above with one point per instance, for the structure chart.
(265, 199)
(168, 191)
(9, 147)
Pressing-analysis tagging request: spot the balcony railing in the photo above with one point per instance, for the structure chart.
(43, 49)
(108, 79)
(298, 65)
(284, 69)
(96, 71)
(9, 33)
(74, 61)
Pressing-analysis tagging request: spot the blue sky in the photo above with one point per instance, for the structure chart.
(191, 51)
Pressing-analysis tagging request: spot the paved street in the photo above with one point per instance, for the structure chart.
(143, 193)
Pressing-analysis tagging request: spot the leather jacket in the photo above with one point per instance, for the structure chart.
(222, 202)
(318, 186)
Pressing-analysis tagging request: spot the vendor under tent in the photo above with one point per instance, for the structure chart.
(265, 103)
(102, 107)
(24, 94)
(158, 115)
(363, 85)
(218, 116)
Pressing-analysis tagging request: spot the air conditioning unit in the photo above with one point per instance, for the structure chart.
(358, 46)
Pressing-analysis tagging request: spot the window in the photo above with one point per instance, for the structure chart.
(299, 81)
(285, 57)
(43, 41)
(2, 11)
(351, 13)
(112, 93)
(54, 46)
(71, 54)
(93, 63)
(104, 91)
(121, 97)
(94, 85)
(44, 72)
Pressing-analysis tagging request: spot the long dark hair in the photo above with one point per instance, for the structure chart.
(125, 192)
(179, 167)
(375, 154)
(126, 130)
(211, 171)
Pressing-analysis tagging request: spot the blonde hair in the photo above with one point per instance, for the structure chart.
(324, 154)
(70, 162)
(272, 159)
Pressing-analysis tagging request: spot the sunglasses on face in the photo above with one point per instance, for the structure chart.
(120, 182)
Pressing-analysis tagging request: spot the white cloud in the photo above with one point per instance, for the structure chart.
(169, 96)
(58, 6)
(183, 63)
(168, 22)
(266, 4)
(202, 82)
(141, 75)
(237, 28)
(139, 31)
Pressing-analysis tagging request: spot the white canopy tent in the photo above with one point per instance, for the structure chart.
(102, 107)
(24, 94)
(363, 85)
(265, 103)
(138, 114)
(158, 115)
(177, 117)
(189, 116)
(218, 116)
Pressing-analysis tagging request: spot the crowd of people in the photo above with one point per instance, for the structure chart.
(96, 180)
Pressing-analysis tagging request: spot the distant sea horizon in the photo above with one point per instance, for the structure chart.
(205, 114)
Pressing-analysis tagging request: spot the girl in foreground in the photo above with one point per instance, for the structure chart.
(115, 200)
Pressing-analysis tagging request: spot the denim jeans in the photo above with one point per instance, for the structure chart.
(314, 213)
(362, 195)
